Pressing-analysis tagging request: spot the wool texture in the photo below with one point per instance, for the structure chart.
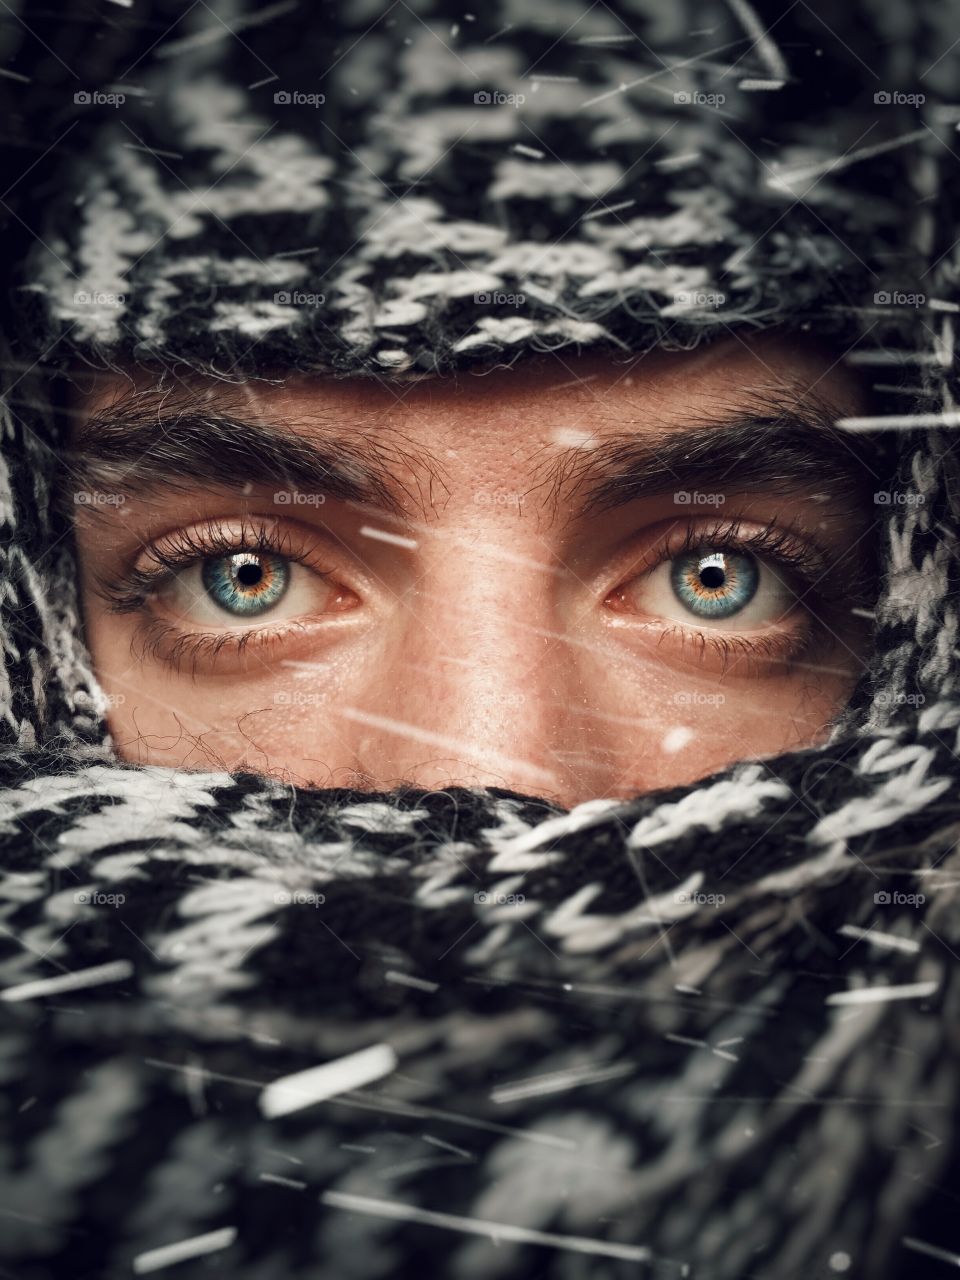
(276, 1033)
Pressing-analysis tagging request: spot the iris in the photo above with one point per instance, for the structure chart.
(247, 582)
(714, 584)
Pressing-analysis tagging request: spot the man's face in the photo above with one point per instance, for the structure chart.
(575, 578)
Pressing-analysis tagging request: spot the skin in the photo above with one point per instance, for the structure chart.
(514, 643)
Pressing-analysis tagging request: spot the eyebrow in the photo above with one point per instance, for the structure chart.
(136, 447)
(779, 447)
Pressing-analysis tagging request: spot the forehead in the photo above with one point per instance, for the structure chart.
(554, 397)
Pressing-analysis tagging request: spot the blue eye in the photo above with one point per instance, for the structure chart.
(714, 584)
(246, 583)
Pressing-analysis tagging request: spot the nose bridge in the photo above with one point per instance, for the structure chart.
(474, 682)
(495, 682)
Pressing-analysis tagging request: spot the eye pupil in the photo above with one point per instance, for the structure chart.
(712, 576)
(249, 574)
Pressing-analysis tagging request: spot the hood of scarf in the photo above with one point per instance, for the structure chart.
(707, 1032)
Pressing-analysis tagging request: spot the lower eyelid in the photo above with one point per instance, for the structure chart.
(756, 650)
(767, 653)
(203, 652)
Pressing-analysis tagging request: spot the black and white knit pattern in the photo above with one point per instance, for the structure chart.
(545, 1056)
(586, 187)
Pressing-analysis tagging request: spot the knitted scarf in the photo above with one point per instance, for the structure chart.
(271, 1032)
